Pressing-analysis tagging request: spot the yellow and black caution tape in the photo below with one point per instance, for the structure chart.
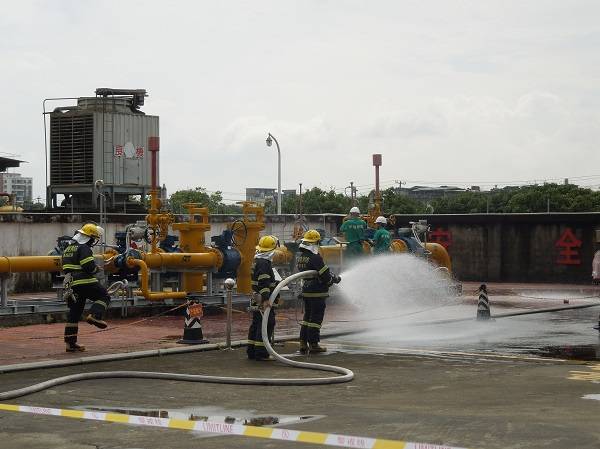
(325, 439)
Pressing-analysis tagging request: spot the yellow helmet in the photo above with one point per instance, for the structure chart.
(267, 243)
(91, 230)
(311, 236)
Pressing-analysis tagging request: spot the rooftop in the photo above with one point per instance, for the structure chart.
(6, 162)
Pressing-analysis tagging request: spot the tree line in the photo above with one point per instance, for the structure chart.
(535, 198)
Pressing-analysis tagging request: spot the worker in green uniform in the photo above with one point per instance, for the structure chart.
(354, 232)
(382, 237)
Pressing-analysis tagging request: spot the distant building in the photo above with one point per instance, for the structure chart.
(20, 186)
(423, 193)
(262, 195)
(14, 183)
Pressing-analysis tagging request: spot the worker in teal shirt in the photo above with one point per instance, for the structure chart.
(382, 237)
(354, 232)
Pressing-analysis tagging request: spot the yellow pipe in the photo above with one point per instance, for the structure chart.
(254, 223)
(25, 264)
(282, 256)
(212, 258)
(439, 255)
(332, 254)
(398, 246)
(192, 240)
(146, 293)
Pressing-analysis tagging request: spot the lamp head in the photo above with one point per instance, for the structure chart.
(229, 283)
(269, 140)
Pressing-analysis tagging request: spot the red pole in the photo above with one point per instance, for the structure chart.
(153, 146)
(377, 163)
(377, 181)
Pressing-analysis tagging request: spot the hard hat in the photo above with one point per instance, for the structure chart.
(311, 236)
(355, 210)
(381, 219)
(266, 243)
(91, 230)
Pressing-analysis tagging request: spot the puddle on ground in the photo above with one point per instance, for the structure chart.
(571, 352)
(212, 414)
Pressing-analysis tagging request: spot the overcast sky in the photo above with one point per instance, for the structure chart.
(460, 92)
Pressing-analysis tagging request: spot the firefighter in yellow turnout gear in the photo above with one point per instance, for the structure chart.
(314, 292)
(263, 284)
(81, 284)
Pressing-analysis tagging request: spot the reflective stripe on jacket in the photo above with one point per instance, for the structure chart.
(78, 260)
(262, 278)
(315, 287)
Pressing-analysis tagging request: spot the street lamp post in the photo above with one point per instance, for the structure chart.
(270, 139)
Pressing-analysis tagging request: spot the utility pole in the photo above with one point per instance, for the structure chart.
(352, 193)
(300, 200)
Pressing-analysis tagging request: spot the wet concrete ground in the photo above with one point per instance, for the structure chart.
(478, 400)
(508, 383)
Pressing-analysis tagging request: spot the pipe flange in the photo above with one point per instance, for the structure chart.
(218, 254)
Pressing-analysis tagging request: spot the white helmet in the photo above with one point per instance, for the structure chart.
(381, 220)
(355, 210)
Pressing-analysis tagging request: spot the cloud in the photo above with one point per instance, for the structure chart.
(444, 90)
(408, 124)
(247, 133)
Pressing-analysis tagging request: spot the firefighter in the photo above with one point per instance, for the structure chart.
(314, 291)
(354, 231)
(381, 238)
(80, 284)
(263, 284)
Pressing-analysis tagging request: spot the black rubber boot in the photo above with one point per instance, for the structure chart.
(314, 348)
(90, 319)
(74, 347)
(303, 347)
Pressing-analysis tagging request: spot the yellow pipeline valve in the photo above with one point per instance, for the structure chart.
(439, 255)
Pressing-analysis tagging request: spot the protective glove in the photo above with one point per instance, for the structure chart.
(69, 297)
(336, 279)
(68, 294)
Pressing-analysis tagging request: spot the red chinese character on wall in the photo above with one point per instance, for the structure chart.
(118, 150)
(139, 152)
(568, 255)
(441, 236)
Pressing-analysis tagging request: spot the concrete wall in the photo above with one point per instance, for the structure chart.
(492, 248)
(517, 247)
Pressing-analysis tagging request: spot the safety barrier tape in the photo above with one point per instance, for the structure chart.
(592, 376)
(221, 428)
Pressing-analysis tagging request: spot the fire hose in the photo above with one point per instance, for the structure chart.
(345, 375)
